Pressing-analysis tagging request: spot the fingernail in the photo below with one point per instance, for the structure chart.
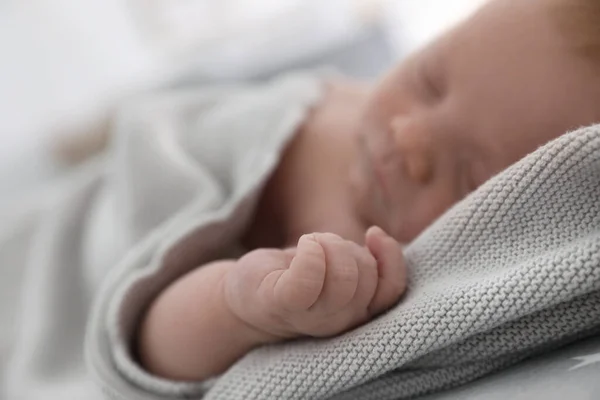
(377, 231)
(307, 237)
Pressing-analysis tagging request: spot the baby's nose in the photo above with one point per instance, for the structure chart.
(413, 145)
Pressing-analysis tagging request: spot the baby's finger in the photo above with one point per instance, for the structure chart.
(299, 287)
(368, 276)
(341, 280)
(391, 268)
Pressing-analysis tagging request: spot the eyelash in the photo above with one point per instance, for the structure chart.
(430, 85)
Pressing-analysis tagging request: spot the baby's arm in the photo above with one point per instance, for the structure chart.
(190, 333)
(208, 319)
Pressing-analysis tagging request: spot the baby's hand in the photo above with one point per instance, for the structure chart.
(323, 287)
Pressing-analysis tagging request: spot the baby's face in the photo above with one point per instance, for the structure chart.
(466, 107)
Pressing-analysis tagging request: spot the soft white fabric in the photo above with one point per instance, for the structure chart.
(181, 159)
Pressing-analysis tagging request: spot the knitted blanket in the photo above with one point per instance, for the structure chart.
(510, 272)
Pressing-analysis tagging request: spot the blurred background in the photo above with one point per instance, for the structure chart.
(65, 63)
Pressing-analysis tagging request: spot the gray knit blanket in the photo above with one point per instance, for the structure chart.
(510, 272)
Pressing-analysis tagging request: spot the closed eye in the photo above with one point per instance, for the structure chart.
(430, 83)
(430, 86)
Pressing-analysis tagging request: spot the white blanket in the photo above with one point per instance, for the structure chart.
(180, 158)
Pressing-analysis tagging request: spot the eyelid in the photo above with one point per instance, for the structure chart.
(431, 87)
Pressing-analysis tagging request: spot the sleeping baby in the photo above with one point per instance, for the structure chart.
(368, 170)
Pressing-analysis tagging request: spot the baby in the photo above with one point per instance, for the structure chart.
(371, 168)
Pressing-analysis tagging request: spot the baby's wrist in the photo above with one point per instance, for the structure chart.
(253, 336)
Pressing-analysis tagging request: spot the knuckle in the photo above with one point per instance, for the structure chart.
(310, 242)
(310, 282)
(346, 271)
(310, 250)
(339, 249)
(366, 260)
(312, 258)
(300, 296)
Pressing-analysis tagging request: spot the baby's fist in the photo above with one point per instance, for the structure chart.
(323, 287)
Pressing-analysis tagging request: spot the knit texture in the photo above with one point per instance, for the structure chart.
(510, 272)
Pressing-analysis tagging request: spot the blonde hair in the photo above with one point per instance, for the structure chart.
(580, 22)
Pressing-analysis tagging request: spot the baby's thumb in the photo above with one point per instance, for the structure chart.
(391, 269)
